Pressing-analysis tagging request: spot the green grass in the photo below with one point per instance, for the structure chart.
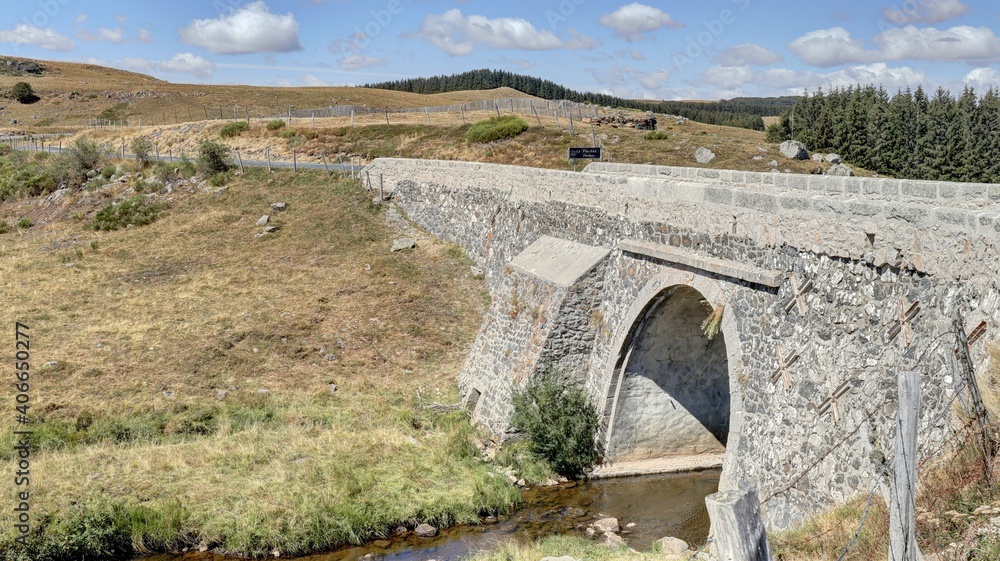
(134, 211)
(205, 413)
(560, 546)
(275, 125)
(233, 129)
(656, 135)
(496, 128)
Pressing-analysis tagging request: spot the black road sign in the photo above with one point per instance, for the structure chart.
(585, 153)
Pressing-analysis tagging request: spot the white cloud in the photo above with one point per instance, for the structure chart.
(633, 21)
(137, 65)
(926, 11)
(356, 62)
(28, 34)
(983, 78)
(727, 77)
(830, 47)
(251, 29)
(116, 35)
(785, 81)
(145, 36)
(963, 43)
(311, 81)
(458, 35)
(747, 54)
(187, 63)
(649, 84)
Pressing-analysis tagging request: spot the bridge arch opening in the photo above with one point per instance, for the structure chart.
(672, 396)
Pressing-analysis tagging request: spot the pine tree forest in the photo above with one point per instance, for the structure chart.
(908, 135)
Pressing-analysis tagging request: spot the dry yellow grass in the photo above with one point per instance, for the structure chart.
(210, 353)
(72, 93)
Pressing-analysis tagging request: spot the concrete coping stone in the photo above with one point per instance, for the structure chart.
(731, 269)
(559, 261)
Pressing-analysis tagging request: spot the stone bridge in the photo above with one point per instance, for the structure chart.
(826, 287)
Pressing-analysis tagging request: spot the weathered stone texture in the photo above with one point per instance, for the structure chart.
(865, 248)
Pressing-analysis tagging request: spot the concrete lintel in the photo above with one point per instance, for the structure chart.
(559, 261)
(691, 259)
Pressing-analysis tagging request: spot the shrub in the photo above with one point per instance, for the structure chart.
(656, 135)
(219, 179)
(213, 158)
(109, 171)
(142, 147)
(25, 223)
(496, 128)
(133, 210)
(233, 129)
(312, 135)
(23, 93)
(275, 125)
(4, 227)
(86, 155)
(559, 421)
(288, 133)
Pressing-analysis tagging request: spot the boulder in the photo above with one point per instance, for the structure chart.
(833, 158)
(794, 150)
(278, 207)
(403, 243)
(758, 158)
(612, 540)
(840, 169)
(425, 531)
(703, 155)
(263, 220)
(672, 546)
(817, 157)
(607, 526)
(773, 163)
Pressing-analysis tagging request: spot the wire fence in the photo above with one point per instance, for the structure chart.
(942, 526)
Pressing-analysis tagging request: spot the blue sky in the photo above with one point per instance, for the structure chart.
(655, 50)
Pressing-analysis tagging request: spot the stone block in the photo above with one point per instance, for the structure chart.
(994, 193)
(794, 202)
(559, 261)
(708, 173)
(951, 216)
(864, 208)
(829, 204)
(737, 526)
(907, 213)
(918, 189)
(974, 191)
(948, 190)
(757, 201)
(721, 195)
(797, 181)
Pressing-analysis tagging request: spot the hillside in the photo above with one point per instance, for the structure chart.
(72, 93)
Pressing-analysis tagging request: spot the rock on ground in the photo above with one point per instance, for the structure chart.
(403, 243)
(425, 531)
(703, 155)
(279, 206)
(612, 540)
(840, 169)
(793, 149)
(607, 525)
(263, 220)
(833, 158)
(672, 546)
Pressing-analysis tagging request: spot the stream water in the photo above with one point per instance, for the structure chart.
(655, 506)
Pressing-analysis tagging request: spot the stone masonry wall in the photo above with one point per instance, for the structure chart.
(865, 252)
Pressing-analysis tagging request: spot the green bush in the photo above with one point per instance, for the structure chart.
(559, 422)
(109, 171)
(142, 147)
(233, 129)
(23, 93)
(288, 133)
(25, 223)
(213, 158)
(86, 155)
(4, 227)
(656, 135)
(496, 128)
(219, 179)
(133, 210)
(275, 125)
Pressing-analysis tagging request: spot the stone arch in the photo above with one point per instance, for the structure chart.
(671, 304)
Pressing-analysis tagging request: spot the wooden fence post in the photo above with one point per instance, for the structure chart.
(902, 538)
(737, 527)
(295, 163)
(267, 154)
(324, 164)
(240, 159)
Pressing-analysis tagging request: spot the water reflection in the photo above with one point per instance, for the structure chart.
(655, 506)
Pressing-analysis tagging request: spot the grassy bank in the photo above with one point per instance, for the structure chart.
(193, 383)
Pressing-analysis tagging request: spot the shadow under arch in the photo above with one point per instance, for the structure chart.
(672, 392)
